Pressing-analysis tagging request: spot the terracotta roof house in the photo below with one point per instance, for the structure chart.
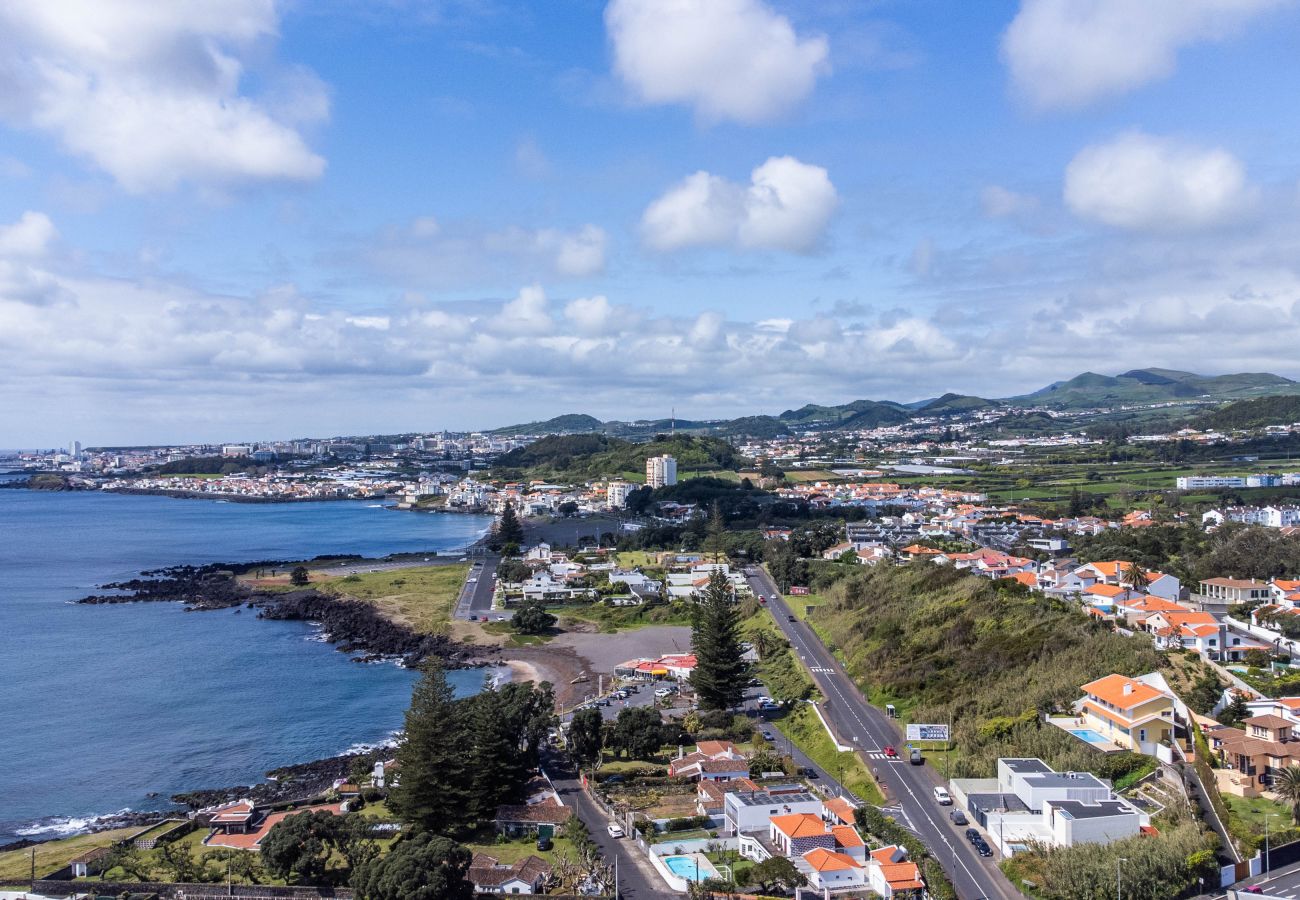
(527, 818)
(890, 874)
(526, 876)
(1128, 712)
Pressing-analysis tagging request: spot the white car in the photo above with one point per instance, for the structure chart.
(663, 692)
(615, 831)
(942, 796)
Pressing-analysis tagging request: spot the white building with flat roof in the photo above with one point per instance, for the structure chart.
(660, 471)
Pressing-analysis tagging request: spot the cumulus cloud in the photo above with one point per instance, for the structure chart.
(151, 92)
(1139, 181)
(786, 206)
(1068, 54)
(732, 60)
(31, 235)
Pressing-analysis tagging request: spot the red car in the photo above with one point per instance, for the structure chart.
(891, 753)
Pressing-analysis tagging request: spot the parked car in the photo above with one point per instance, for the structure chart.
(615, 830)
(662, 692)
(958, 818)
(809, 772)
(942, 797)
(544, 844)
(790, 618)
(973, 835)
(762, 601)
(983, 849)
(768, 736)
(915, 758)
(473, 618)
(891, 752)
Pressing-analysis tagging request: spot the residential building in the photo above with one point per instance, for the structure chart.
(1201, 482)
(711, 761)
(1233, 590)
(616, 493)
(1128, 712)
(890, 874)
(660, 471)
(751, 811)
(525, 876)
(1264, 746)
(1029, 803)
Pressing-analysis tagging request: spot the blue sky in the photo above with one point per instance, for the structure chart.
(351, 216)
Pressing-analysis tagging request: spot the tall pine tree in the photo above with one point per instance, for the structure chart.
(434, 787)
(720, 669)
(509, 530)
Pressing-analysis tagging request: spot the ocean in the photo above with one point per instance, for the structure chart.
(105, 708)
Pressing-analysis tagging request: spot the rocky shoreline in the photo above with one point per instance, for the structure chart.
(352, 626)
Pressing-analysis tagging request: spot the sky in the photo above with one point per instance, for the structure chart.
(256, 219)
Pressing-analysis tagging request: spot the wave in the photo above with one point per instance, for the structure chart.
(64, 826)
(388, 743)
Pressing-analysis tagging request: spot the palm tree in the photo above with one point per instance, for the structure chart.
(1286, 784)
(1137, 579)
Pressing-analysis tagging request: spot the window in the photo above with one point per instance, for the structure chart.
(1142, 735)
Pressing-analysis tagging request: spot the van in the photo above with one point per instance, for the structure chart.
(915, 758)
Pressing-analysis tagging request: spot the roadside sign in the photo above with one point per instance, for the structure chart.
(927, 732)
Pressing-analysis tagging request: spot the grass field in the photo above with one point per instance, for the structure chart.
(611, 619)
(806, 731)
(421, 597)
(15, 865)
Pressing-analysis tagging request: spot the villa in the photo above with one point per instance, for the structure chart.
(1127, 712)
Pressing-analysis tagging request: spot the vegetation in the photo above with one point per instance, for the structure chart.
(15, 865)
(1150, 869)
(720, 669)
(806, 731)
(463, 758)
(1256, 413)
(422, 597)
(778, 667)
(421, 867)
(986, 656)
(586, 735)
(509, 530)
(300, 848)
(532, 618)
(1245, 551)
(576, 456)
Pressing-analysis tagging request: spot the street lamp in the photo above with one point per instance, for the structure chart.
(1267, 816)
(1118, 894)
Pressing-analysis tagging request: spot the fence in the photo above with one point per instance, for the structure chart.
(51, 887)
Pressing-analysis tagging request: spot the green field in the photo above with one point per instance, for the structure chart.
(807, 733)
(422, 597)
(15, 865)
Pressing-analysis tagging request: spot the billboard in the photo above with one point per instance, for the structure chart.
(927, 733)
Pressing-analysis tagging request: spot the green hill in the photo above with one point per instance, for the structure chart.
(858, 414)
(1090, 390)
(1252, 414)
(572, 423)
(954, 403)
(581, 456)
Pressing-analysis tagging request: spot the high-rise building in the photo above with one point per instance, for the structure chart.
(74, 449)
(616, 493)
(660, 471)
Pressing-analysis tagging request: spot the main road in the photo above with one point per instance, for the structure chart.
(909, 789)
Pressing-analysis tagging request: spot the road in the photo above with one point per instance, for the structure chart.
(637, 879)
(1281, 882)
(909, 788)
(476, 593)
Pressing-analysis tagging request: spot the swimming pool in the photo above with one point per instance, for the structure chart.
(695, 867)
(1087, 734)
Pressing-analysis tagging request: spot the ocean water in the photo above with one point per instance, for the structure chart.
(102, 706)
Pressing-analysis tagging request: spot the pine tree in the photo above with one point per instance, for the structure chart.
(716, 541)
(433, 791)
(720, 669)
(509, 530)
(492, 748)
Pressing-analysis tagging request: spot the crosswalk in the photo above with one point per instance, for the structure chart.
(821, 670)
(879, 755)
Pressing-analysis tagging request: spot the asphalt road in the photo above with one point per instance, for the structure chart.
(1281, 882)
(637, 879)
(476, 594)
(909, 788)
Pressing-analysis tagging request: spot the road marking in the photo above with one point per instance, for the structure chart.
(822, 670)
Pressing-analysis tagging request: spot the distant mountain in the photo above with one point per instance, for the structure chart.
(858, 414)
(567, 456)
(573, 423)
(1090, 390)
(1251, 414)
(954, 403)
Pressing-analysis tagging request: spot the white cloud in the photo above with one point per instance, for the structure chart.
(1139, 181)
(729, 59)
(592, 316)
(1070, 53)
(31, 235)
(150, 92)
(429, 253)
(786, 206)
(1002, 203)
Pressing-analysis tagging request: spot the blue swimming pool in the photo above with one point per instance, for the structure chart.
(1088, 735)
(692, 868)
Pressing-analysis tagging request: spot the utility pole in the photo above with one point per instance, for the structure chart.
(1118, 894)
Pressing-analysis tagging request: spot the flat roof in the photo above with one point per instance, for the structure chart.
(764, 798)
(1027, 765)
(1076, 809)
(1007, 802)
(1066, 779)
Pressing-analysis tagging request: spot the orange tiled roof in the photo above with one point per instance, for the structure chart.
(829, 861)
(847, 836)
(1111, 689)
(797, 825)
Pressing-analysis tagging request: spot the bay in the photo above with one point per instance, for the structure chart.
(102, 706)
